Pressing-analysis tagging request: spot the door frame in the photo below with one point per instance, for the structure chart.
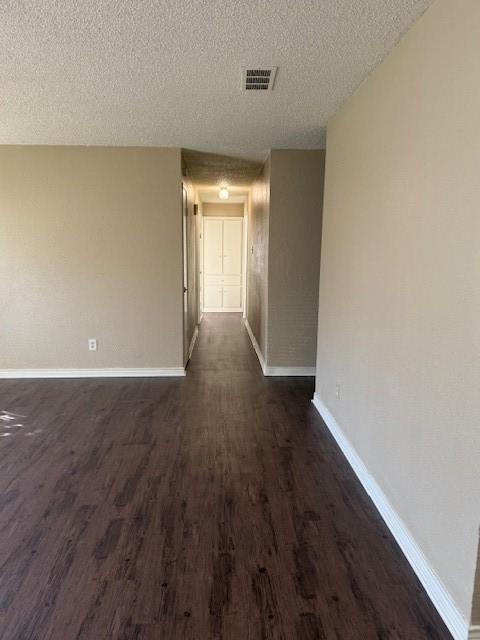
(185, 272)
(240, 309)
(245, 259)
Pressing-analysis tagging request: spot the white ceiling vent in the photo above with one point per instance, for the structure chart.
(258, 79)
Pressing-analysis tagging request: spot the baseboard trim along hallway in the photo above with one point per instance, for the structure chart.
(289, 371)
(91, 373)
(256, 346)
(214, 505)
(192, 342)
(440, 597)
(276, 371)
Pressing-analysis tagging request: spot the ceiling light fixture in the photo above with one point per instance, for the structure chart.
(223, 193)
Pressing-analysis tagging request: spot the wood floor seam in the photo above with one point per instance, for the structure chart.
(216, 506)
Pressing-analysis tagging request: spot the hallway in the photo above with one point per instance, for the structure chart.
(213, 506)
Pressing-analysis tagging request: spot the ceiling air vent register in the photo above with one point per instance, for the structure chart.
(256, 79)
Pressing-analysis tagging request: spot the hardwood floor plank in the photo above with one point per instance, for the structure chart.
(212, 507)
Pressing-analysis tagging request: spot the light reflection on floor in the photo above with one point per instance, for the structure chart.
(11, 422)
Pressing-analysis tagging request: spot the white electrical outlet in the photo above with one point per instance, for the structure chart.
(92, 344)
(337, 391)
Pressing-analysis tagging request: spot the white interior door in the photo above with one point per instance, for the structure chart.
(213, 246)
(212, 263)
(231, 297)
(232, 247)
(222, 258)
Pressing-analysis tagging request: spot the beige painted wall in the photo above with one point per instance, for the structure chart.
(284, 256)
(296, 201)
(399, 309)
(90, 247)
(257, 261)
(233, 209)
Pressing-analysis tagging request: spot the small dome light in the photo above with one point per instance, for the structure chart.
(223, 194)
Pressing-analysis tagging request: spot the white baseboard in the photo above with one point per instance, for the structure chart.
(474, 633)
(289, 371)
(276, 371)
(192, 342)
(91, 373)
(437, 592)
(256, 346)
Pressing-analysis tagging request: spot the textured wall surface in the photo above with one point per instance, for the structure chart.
(90, 247)
(296, 201)
(257, 293)
(399, 309)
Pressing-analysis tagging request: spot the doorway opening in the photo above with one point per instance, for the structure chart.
(215, 255)
(186, 267)
(216, 214)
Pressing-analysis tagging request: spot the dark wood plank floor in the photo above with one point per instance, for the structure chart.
(215, 506)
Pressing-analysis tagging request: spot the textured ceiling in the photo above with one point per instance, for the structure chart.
(207, 168)
(168, 72)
